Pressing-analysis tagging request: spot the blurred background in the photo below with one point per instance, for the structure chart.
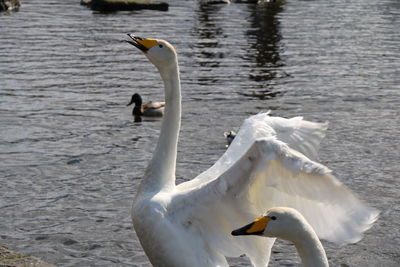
(71, 155)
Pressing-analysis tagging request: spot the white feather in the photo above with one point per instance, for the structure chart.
(268, 164)
(271, 174)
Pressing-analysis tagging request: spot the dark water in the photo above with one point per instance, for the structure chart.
(71, 157)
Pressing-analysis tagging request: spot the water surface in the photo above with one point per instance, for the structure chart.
(71, 156)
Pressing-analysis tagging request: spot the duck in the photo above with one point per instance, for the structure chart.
(289, 224)
(270, 163)
(148, 109)
(229, 136)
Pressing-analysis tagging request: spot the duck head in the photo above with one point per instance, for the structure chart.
(137, 99)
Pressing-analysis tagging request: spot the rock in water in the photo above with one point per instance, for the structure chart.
(123, 5)
(9, 5)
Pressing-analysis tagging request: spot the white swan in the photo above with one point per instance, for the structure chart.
(289, 224)
(265, 166)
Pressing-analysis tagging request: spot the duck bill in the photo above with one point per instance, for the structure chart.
(130, 103)
(141, 43)
(255, 228)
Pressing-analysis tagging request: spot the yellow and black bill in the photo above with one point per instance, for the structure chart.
(143, 44)
(254, 228)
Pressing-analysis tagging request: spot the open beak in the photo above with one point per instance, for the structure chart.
(143, 44)
(255, 228)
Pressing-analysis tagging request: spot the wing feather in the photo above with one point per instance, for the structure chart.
(271, 174)
(301, 135)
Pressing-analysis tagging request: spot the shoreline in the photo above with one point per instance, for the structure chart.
(12, 258)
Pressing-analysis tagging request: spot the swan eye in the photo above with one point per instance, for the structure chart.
(160, 46)
(273, 218)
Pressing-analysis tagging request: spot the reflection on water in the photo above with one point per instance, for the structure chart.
(207, 31)
(206, 28)
(260, 49)
(264, 37)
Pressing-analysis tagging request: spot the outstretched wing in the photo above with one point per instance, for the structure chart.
(301, 135)
(267, 174)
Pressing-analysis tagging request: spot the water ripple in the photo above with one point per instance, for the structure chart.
(71, 156)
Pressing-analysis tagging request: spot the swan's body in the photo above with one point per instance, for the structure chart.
(289, 224)
(189, 224)
(148, 109)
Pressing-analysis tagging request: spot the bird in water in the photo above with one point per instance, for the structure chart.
(270, 163)
(229, 136)
(148, 109)
(287, 223)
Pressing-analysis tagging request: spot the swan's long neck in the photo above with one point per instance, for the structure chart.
(160, 174)
(310, 249)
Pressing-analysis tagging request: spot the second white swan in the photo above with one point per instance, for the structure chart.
(289, 224)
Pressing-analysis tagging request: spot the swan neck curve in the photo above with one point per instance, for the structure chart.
(160, 174)
(310, 249)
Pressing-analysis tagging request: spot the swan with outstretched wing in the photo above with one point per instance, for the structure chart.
(271, 162)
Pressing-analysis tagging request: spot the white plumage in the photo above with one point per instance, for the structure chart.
(268, 164)
(287, 223)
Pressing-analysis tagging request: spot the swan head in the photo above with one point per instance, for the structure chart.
(161, 53)
(281, 222)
